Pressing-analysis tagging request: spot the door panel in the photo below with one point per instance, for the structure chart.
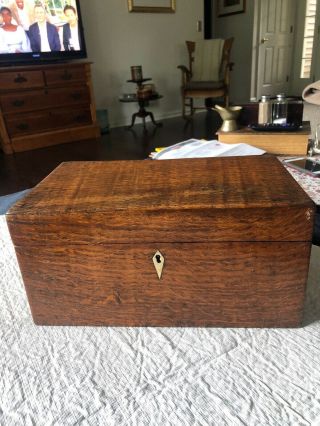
(268, 66)
(281, 65)
(275, 47)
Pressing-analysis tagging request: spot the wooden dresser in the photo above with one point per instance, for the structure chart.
(45, 105)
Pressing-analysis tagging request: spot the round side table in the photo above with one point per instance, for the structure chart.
(142, 113)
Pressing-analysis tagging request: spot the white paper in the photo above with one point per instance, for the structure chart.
(197, 148)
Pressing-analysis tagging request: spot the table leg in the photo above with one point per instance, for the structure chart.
(142, 113)
(153, 120)
(133, 119)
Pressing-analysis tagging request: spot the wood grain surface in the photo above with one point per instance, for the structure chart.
(235, 234)
(280, 143)
(223, 182)
(46, 105)
(218, 199)
(213, 284)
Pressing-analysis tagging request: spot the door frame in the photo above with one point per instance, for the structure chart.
(255, 51)
(208, 15)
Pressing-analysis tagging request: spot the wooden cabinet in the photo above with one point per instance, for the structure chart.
(45, 105)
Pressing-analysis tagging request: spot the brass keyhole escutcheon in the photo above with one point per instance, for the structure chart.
(158, 261)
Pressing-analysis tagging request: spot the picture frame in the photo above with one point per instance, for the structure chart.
(230, 7)
(152, 6)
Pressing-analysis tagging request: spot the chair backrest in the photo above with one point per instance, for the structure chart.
(208, 58)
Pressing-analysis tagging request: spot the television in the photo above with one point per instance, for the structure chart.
(34, 31)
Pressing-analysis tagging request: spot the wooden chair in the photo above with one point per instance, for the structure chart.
(198, 88)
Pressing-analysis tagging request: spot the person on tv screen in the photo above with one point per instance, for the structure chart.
(22, 13)
(71, 35)
(3, 44)
(43, 36)
(14, 36)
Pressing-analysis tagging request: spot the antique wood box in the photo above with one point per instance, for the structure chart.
(284, 143)
(192, 242)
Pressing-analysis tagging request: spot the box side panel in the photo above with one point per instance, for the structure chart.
(215, 284)
(251, 224)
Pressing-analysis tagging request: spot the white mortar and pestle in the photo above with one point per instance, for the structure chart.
(229, 116)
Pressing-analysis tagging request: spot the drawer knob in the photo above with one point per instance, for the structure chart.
(23, 126)
(80, 118)
(66, 76)
(18, 103)
(20, 79)
(158, 262)
(76, 96)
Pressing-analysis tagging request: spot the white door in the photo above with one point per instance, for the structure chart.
(274, 21)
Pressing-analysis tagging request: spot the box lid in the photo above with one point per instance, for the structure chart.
(217, 199)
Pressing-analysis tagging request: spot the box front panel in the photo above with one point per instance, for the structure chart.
(215, 225)
(232, 284)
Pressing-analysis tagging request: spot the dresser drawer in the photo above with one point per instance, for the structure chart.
(21, 80)
(38, 99)
(37, 122)
(65, 75)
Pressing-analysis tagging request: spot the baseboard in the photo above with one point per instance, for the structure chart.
(158, 117)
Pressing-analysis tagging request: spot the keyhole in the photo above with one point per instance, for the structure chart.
(158, 262)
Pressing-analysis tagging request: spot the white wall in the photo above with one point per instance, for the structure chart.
(117, 39)
(239, 26)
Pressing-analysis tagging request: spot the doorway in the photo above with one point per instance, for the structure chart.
(273, 39)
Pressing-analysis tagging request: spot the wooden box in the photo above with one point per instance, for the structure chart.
(282, 143)
(232, 236)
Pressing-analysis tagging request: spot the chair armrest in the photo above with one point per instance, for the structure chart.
(185, 74)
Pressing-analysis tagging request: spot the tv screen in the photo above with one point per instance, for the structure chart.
(40, 30)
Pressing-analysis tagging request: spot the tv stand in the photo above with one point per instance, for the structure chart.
(47, 104)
